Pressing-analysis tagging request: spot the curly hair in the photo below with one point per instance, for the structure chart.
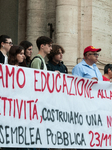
(55, 51)
(14, 50)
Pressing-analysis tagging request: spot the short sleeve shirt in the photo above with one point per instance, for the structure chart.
(36, 63)
(105, 79)
(84, 70)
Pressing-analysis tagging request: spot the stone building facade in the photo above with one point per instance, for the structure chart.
(76, 24)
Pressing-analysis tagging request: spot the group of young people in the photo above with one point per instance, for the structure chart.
(21, 55)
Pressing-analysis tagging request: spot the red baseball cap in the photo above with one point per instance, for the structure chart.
(91, 49)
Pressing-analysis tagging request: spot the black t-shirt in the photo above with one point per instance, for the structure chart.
(2, 58)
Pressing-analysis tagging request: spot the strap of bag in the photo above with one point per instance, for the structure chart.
(42, 64)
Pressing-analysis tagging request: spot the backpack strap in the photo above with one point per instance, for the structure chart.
(42, 64)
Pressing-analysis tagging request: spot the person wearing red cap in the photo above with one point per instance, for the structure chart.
(87, 68)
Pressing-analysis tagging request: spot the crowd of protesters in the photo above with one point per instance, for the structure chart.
(20, 55)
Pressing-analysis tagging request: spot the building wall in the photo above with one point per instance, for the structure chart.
(51, 17)
(102, 29)
(22, 16)
(9, 19)
(76, 24)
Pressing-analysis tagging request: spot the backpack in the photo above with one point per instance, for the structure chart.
(42, 64)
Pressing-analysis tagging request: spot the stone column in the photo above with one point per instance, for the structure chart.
(36, 21)
(67, 30)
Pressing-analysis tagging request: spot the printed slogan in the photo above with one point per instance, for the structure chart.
(44, 109)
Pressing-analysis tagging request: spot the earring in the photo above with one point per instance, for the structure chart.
(3, 46)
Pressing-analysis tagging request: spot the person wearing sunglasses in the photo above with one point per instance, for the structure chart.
(5, 45)
(87, 68)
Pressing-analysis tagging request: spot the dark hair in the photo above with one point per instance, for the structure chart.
(43, 40)
(3, 38)
(85, 54)
(55, 51)
(108, 66)
(14, 50)
(26, 45)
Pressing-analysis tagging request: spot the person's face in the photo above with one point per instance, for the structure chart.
(110, 73)
(58, 57)
(28, 51)
(92, 57)
(7, 45)
(47, 48)
(20, 56)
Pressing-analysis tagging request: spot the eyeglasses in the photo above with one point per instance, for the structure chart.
(95, 54)
(10, 43)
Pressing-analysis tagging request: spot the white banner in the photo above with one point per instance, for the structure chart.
(44, 109)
